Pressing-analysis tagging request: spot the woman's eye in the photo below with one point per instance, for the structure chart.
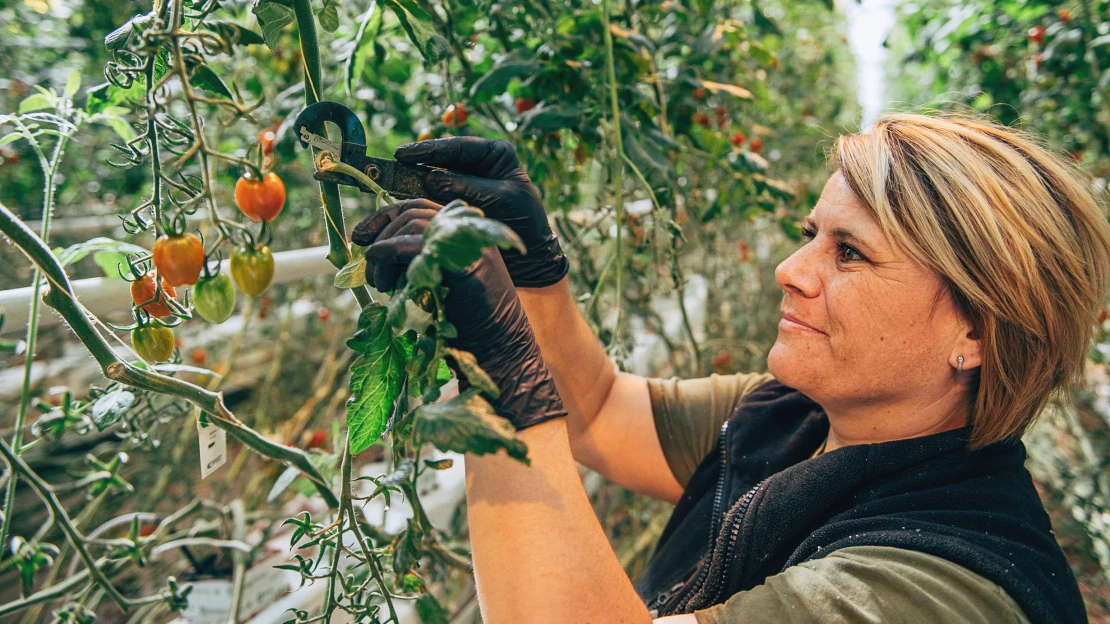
(848, 253)
(809, 234)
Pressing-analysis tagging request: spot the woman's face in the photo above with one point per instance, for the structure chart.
(877, 340)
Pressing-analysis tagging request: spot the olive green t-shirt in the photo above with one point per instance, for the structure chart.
(863, 584)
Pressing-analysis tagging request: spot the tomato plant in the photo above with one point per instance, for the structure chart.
(178, 258)
(154, 343)
(260, 199)
(252, 268)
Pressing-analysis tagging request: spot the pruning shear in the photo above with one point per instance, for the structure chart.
(398, 179)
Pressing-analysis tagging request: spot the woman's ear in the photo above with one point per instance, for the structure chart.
(966, 345)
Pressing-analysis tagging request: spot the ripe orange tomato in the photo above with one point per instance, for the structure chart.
(699, 93)
(454, 116)
(756, 145)
(178, 258)
(261, 200)
(142, 290)
(425, 135)
(1036, 34)
(738, 138)
(199, 355)
(1064, 15)
(701, 119)
(323, 314)
(317, 439)
(524, 105)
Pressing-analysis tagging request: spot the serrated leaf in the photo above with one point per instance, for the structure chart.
(456, 236)
(353, 274)
(329, 15)
(418, 25)
(376, 378)
(284, 481)
(111, 407)
(273, 16)
(497, 79)
(35, 102)
(473, 372)
(467, 424)
(204, 78)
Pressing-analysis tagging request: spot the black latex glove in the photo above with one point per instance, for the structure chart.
(487, 174)
(482, 304)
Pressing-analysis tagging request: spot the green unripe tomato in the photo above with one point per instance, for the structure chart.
(252, 269)
(214, 298)
(154, 343)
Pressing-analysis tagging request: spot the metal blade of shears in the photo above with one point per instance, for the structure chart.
(398, 179)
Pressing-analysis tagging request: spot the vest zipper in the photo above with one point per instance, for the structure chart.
(699, 579)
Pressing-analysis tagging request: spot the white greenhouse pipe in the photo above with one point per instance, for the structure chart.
(104, 296)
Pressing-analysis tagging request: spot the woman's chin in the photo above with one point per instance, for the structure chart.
(790, 366)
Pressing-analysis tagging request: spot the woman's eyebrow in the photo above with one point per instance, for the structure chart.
(840, 234)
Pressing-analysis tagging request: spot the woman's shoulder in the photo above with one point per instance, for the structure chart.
(872, 583)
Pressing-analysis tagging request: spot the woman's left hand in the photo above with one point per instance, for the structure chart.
(481, 303)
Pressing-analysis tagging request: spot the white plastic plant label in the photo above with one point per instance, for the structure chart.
(213, 448)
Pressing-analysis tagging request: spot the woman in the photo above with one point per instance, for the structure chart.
(948, 287)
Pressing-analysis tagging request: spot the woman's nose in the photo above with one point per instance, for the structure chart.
(798, 273)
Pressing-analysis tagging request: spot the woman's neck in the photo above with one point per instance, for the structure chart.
(883, 423)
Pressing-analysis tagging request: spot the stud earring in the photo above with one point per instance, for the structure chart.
(960, 364)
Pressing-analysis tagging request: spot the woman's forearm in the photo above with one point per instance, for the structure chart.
(583, 372)
(540, 554)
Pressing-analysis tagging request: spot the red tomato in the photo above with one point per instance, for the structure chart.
(756, 145)
(261, 200)
(701, 119)
(178, 259)
(699, 93)
(199, 355)
(738, 138)
(524, 105)
(142, 290)
(1064, 15)
(1036, 34)
(722, 359)
(745, 253)
(454, 116)
(318, 439)
(323, 314)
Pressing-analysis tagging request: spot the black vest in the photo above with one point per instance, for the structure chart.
(758, 504)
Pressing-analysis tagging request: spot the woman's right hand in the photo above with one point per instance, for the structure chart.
(488, 175)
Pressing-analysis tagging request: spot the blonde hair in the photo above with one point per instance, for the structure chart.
(1015, 234)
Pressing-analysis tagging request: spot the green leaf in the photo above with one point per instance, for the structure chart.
(120, 126)
(329, 15)
(429, 610)
(368, 29)
(234, 33)
(273, 15)
(109, 262)
(106, 95)
(497, 79)
(10, 138)
(76, 252)
(457, 234)
(418, 25)
(468, 424)
(423, 272)
(35, 102)
(204, 78)
(111, 407)
(72, 84)
(376, 378)
(546, 118)
(353, 274)
(407, 548)
(284, 481)
(473, 372)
